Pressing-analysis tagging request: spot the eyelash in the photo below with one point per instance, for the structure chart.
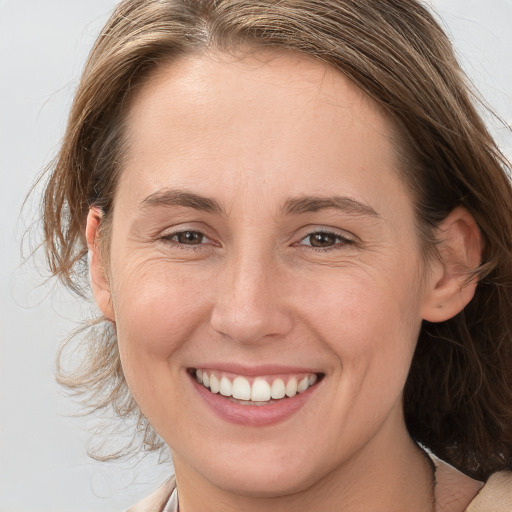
(341, 240)
(168, 238)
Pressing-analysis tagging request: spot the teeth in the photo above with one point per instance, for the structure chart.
(303, 385)
(261, 389)
(226, 388)
(214, 384)
(278, 389)
(291, 387)
(241, 389)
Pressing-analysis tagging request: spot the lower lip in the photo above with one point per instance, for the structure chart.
(253, 415)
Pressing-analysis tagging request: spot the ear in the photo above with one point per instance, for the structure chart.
(450, 282)
(97, 273)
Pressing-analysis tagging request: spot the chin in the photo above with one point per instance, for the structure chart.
(262, 482)
(261, 475)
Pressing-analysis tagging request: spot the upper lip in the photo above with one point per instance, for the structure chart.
(255, 370)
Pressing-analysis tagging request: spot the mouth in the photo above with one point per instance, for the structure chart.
(261, 390)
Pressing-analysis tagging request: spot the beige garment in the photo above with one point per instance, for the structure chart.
(494, 496)
(156, 501)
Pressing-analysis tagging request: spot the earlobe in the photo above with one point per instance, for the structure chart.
(452, 281)
(97, 273)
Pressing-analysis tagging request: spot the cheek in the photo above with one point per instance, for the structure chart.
(356, 303)
(157, 312)
(157, 308)
(370, 324)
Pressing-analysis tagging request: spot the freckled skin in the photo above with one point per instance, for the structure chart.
(251, 134)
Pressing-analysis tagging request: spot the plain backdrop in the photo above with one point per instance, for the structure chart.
(43, 46)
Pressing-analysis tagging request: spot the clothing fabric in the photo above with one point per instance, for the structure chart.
(494, 496)
(164, 499)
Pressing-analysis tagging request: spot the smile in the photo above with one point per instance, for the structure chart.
(256, 397)
(258, 390)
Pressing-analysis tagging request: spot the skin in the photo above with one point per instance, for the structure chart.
(254, 134)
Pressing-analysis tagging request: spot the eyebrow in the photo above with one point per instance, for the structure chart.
(171, 197)
(307, 204)
(298, 205)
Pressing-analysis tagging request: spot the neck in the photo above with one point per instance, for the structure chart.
(386, 475)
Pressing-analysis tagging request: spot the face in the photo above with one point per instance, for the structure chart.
(263, 242)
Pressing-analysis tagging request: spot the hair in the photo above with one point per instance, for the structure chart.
(458, 396)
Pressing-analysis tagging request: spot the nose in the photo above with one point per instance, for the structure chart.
(251, 301)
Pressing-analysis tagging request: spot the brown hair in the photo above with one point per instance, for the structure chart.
(458, 397)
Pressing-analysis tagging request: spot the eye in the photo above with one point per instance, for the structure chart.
(189, 237)
(325, 240)
(186, 237)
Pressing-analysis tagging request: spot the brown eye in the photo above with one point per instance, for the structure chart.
(189, 237)
(325, 240)
(322, 239)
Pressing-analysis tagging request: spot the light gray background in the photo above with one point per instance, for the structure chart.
(43, 45)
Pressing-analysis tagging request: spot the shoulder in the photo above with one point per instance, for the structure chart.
(495, 495)
(157, 500)
(456, 491)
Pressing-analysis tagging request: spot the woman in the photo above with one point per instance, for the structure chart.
(299, 235)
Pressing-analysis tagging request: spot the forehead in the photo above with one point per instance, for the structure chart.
(266, 118)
